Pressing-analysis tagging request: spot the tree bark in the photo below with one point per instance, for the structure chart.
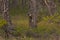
(5, 13)
(32, 14)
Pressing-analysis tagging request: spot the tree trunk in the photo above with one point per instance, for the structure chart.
(33, 14)
(5, 14)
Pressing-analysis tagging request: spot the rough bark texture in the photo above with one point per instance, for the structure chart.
(5, 13)
(33, 14)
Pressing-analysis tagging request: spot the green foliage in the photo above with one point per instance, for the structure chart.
(2, 22)
(48, 24)
(54, 19)
(20, 30)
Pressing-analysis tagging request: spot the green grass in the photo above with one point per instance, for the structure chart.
(22, 26)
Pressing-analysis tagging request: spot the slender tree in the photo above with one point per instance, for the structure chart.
(32, 13)
(51, 6)
(23, 3)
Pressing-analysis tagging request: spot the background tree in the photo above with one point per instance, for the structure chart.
(33, 13)
(51, 6)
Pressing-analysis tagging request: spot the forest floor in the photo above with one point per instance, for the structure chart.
(22, 21)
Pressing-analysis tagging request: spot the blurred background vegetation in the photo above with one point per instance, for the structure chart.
(48, 26)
